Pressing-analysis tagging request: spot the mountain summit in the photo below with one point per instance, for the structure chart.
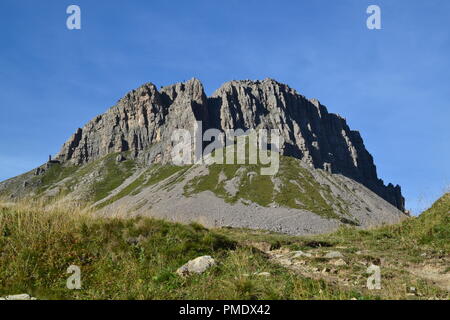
(123, 157)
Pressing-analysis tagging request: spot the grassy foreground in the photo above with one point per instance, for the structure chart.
(137, 258)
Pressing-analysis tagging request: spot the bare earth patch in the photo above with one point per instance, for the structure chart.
(433, 273)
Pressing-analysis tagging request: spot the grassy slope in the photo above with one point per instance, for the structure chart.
(416, 243)
(136, 259)
(149, 177)
(98, 179)
(430, 230)
(298, 187)
(37, 247)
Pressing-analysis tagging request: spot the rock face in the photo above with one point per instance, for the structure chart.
(144, 118)
(143, 121)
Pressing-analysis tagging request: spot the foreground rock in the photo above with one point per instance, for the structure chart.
(299, 253)
(18, 297)
(338, 262)
(333, 255)
(196, 266)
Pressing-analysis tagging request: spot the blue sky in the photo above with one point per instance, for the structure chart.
(391, 84)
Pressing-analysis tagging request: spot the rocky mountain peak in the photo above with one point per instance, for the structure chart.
(190, 90)
(142, 123)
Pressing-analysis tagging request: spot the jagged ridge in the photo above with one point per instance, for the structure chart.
(142, 123)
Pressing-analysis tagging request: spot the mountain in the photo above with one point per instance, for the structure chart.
(121, 160)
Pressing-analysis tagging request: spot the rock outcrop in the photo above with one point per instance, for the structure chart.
(143, 121)
(144, 118)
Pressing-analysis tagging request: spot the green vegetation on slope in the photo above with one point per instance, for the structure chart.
(418, 245)
(430, 232)
(149, 177)
(297, 187)
(300, 190)
(99, 177)
(412, 239)
(250, 185)
(55, 174)
(293, 186)
(433, 227)
(113, 174)
(135, 259)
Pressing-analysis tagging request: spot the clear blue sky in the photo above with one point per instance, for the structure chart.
(391, 84)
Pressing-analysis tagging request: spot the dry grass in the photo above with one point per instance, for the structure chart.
(137, 258)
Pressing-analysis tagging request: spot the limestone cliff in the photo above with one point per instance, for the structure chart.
(142, 122)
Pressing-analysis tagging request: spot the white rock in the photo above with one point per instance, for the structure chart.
(298, 254)
(23, 296)
(261, 274)
(339, 262)
(333, 255)
(198, 265)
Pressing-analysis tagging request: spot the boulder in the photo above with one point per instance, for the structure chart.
(196, 266)
(23, 296)
(339, 262)
(333, 255)
(299, 253)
